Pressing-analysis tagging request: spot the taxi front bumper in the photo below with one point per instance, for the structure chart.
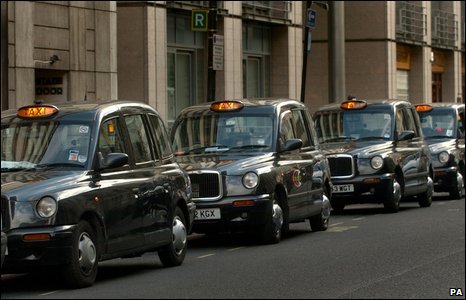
(245, 213)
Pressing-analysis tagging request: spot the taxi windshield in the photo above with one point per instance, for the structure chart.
(222, 133)
(335, 126)
(438, 123)
(35, 145)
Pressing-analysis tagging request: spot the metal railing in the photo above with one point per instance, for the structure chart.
(411, 22)
(271, 11)
(444, 29)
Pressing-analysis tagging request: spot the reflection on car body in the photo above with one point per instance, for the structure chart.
(90, 182)
(255, 165)
(376, 153)
(443, 125)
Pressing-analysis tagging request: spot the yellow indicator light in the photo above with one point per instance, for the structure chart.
(226, 106)
(110, 128)
(423, 108)
(36, 237)
(353, 104)
(40, 111)
(371, 180)
(242, 203)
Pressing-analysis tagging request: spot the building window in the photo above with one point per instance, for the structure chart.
(186, 67)
(436, 87)
(402, 84)
(256, 61)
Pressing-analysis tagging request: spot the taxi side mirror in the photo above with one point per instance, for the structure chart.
(112, 160)
(292, 144)
(406, 135)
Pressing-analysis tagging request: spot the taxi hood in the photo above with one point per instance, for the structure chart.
(360, 148)
(26, 185)
(231, 163)
(439, 145)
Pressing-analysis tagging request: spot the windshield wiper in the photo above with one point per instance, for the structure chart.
(248, 147)
(205, 147)
(340, 138)
(372, 138)
(53, 165)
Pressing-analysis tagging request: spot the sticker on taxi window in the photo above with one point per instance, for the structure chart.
(82, 158)
(73, 155)
(83, 129)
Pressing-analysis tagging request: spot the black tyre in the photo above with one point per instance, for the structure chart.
(391, 202)
(456, 192)
(425, 199)
(272, 232)
(82, 270)
(174, 253)
(320, 222)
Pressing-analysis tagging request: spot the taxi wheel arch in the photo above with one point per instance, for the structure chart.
(273, 227)
(392, 199)
(320, 222)
(425, 198)
(281, 196)
(82, 269)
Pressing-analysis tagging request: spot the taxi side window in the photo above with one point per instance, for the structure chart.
(138, 138)
(286, 128)
(300, 127)
(161, 137)
(460, 117)
(111, 138)
(410, 121)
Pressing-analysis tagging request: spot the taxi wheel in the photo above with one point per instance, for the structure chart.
(425, 199)
(320, 221)
(457, 191)
(174, 253)
(392, 200)
(338, 205)
(272, 232)
(82, 270)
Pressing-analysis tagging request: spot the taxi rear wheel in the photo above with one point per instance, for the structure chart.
(320, 222)
(392, 200)
(82, 270)
(425, 199)
(174, 253)
(272, 232)
(457, 191)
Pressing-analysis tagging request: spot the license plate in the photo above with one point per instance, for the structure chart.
(207, 214)
(343, 188)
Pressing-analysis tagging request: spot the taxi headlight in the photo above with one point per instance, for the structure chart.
(250, 180)
(46, 207)
(443, 157)
(376, 162)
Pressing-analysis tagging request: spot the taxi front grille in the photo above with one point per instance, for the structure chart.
(341, 165)
(206, 185)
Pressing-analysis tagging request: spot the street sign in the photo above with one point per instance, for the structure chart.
(311, 18)
(199, 18)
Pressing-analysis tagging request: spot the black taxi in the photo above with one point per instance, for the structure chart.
(376, 151)
(83, 183)
(255, 166)
(443, 125)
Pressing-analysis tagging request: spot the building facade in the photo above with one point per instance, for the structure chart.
(172, 54)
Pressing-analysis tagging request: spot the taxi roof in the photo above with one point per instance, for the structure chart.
(80, 110)
(370, 103)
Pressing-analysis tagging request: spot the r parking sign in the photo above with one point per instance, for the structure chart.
(199, 18)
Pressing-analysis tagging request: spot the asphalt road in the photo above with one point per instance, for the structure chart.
(366, 253)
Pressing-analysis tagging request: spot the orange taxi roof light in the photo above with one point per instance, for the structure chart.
(37, 111)
(226, 106)
(353, 104)
(423, 107)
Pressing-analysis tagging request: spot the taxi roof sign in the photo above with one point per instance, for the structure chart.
(353, 104)
(423, 107)
(37, 111)
(224, 106)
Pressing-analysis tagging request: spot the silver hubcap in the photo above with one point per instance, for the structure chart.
(430, 185)
(326, 207)
(179, 235)
(459, 179)
(396, 192)
(87, 253)
(277, 218)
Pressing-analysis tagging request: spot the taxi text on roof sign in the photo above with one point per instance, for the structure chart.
(39, 111)
(226, 106)
(353, 104)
